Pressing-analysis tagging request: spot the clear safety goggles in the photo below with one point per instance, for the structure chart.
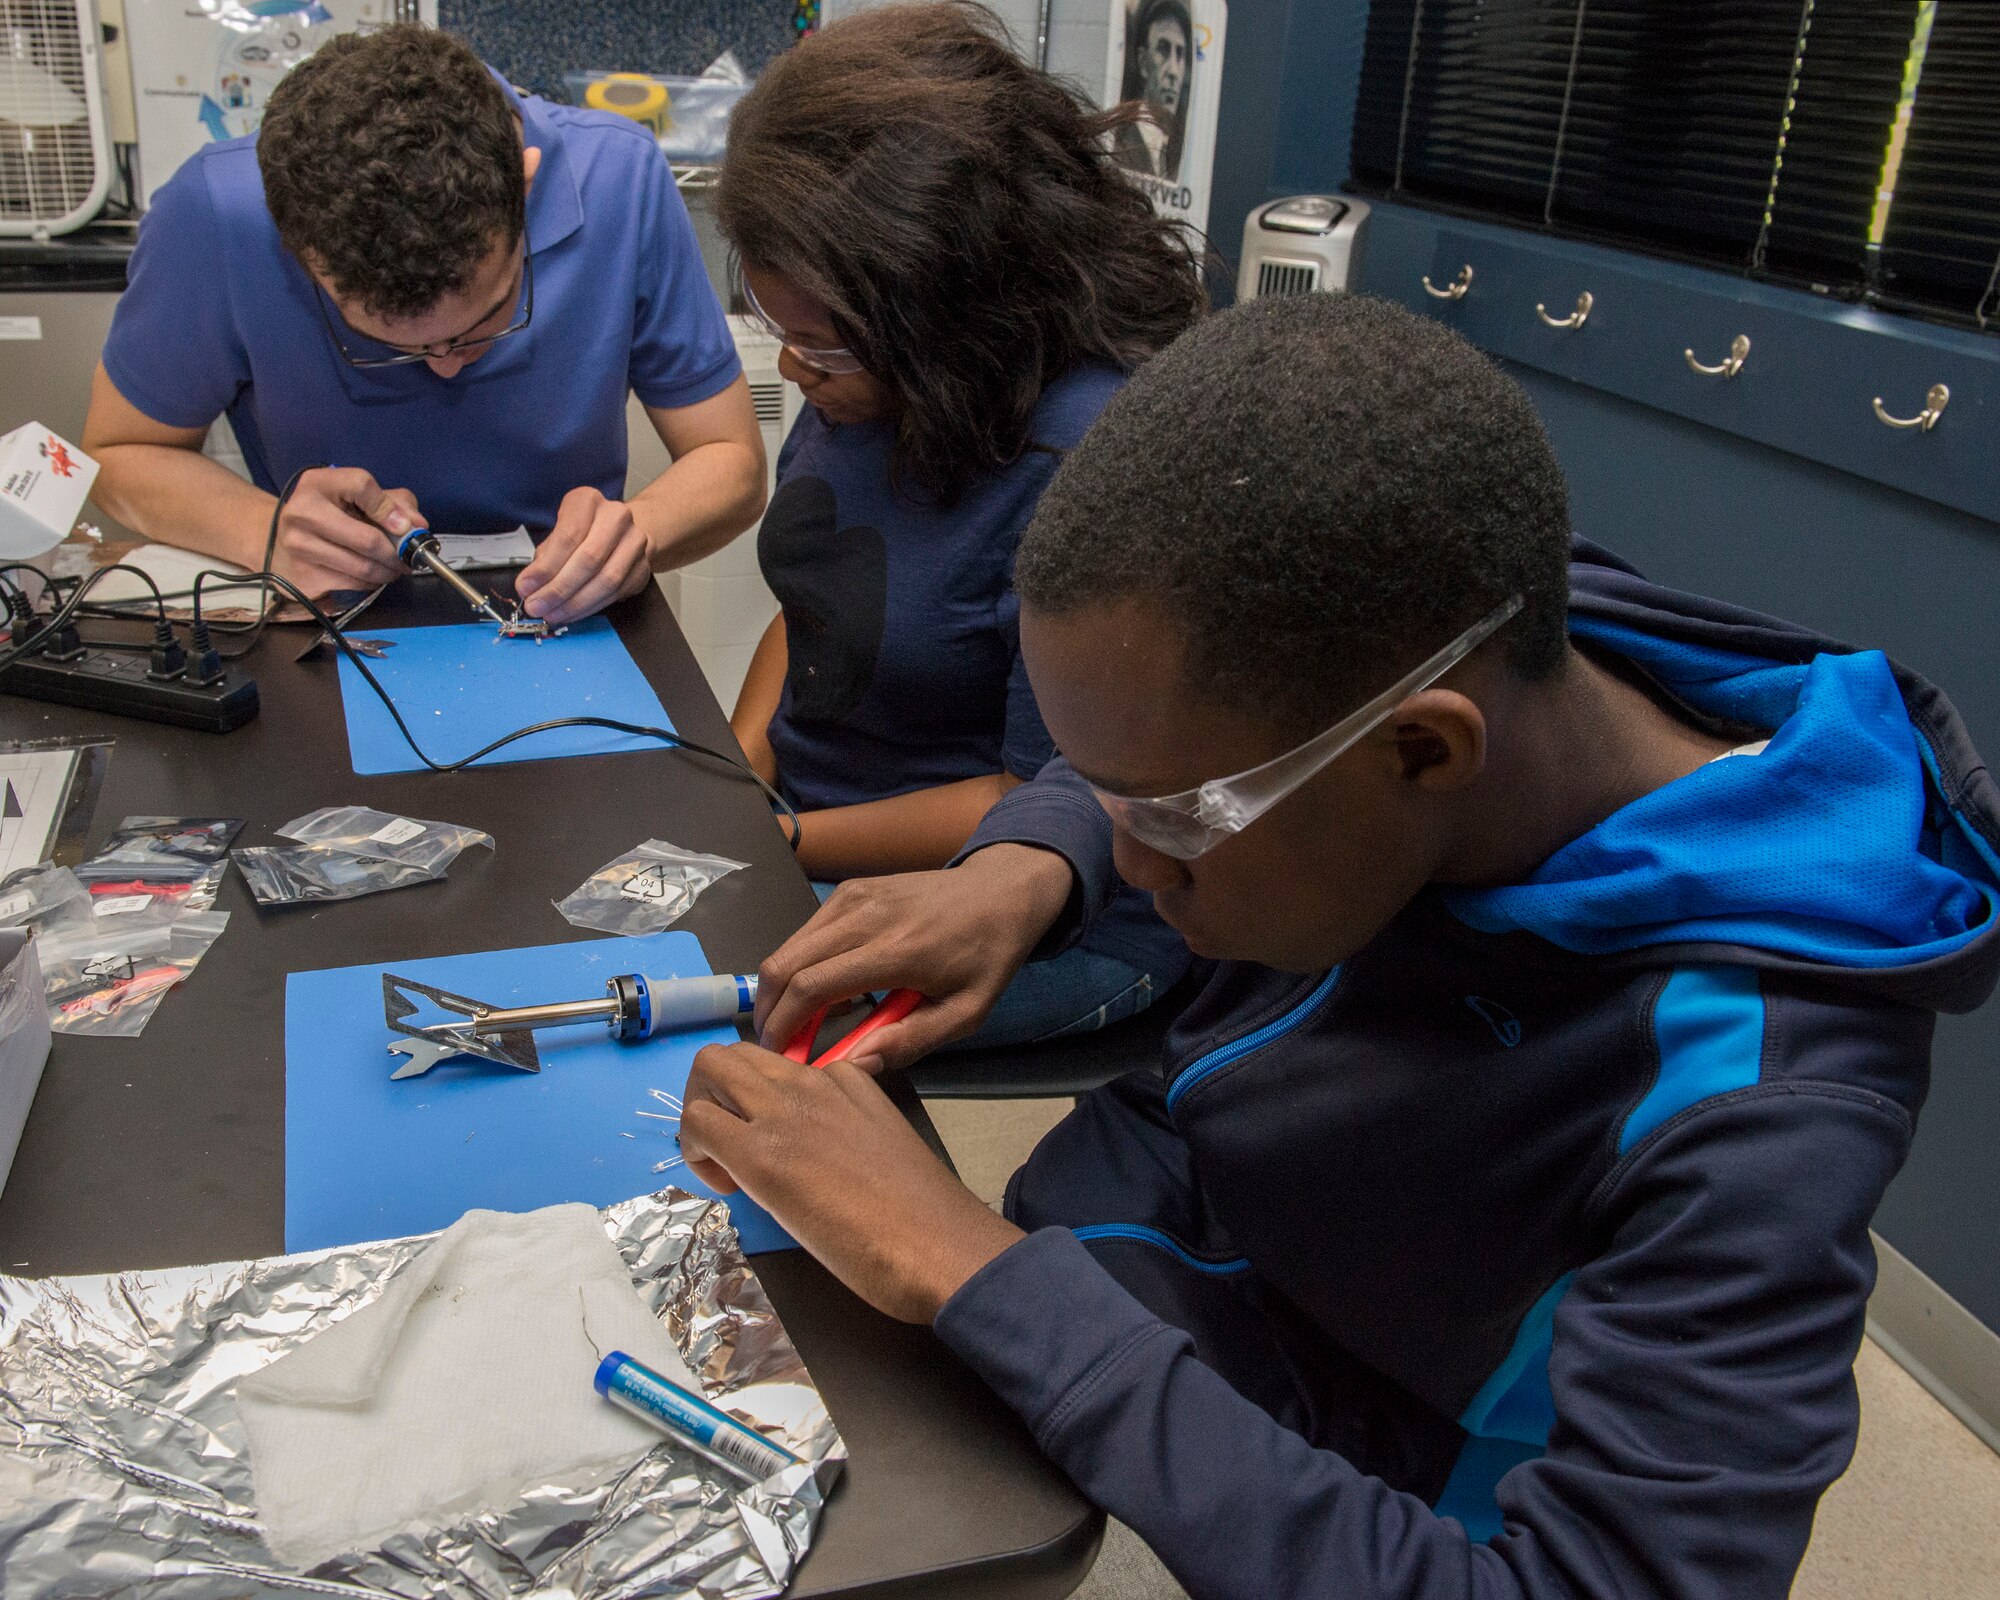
(1192, 823)
(834, 363)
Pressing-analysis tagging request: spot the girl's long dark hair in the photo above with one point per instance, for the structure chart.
(963, 220)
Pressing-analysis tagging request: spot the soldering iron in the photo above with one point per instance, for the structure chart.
(633, 1007)
(636, 1007)
(420, 547)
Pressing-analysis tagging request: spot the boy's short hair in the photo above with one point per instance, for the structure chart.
(392, 165)
(1320, 490)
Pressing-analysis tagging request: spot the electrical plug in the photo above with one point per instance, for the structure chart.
(169, 659)
(21, 618)
(206, 667)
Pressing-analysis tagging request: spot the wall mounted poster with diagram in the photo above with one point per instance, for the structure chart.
(1167, 55)
(203, 71)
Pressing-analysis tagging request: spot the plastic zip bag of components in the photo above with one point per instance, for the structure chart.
(645, 889)
(291, 874)
(42, 897)
(360, 831)
(107, 978)
(163, 865)
(178, 838)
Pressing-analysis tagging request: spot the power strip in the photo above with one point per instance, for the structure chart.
(117, 682)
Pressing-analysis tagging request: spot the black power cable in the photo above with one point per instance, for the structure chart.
(66, 612)
(263, 577)
(666, 736)
(266, 579)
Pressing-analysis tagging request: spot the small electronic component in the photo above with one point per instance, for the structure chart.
(522, 626)
(420, 548)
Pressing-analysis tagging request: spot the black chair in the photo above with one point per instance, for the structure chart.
(1059, 1067)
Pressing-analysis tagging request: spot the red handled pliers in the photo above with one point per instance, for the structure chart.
(896, 1005)
(158, 891)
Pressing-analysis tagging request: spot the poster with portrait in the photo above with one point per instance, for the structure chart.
(1166, 55)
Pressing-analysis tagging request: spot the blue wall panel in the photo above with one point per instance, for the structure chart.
(1316, 101)
(1289, 77)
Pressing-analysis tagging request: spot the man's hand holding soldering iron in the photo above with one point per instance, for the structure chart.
(341, 530)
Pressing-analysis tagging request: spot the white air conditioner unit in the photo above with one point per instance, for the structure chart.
(55, 144)
(1299, 246)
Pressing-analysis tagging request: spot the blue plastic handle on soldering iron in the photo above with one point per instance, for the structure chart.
(666, 1004)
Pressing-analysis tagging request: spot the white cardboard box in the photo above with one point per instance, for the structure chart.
(44, 480)
(24, 1039)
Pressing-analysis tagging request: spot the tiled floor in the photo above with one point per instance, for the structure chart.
(1918, 1513)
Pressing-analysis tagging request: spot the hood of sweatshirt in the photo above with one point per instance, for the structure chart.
(1862, 841)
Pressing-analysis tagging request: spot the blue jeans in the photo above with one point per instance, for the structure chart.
(1078, 991)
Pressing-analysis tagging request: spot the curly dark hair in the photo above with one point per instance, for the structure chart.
(1319, 490)
(961, 217)
(392, 166)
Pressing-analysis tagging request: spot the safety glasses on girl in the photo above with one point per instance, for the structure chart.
(833, 362)
(1192, 823)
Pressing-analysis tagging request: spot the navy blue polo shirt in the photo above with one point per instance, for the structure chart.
(220, 317)
(903, 662)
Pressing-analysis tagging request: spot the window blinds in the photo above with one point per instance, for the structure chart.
(1941, 246)
(1749, 134)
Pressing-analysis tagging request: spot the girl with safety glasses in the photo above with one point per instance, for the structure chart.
(960, 278)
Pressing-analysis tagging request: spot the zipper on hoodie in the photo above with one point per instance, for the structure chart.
(1215, 1060)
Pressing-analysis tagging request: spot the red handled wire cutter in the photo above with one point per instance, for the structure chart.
(896, 1005)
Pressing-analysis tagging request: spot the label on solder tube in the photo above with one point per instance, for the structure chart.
(689, 1419)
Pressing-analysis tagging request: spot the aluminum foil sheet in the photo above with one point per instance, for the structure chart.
(124, 1471)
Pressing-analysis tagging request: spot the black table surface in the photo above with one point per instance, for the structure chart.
(168, 1150)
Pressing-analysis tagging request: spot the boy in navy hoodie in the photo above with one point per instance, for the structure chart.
(1498, 1222)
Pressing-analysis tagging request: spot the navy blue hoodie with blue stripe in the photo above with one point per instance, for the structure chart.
(1526, 1253)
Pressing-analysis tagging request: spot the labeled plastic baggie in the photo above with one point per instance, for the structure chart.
(360, 831)
(165, 866)
(43, 896)
(291, 874)
(107, 977)
(645, 889)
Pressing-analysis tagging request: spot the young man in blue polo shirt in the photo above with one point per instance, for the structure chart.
(426, 297)
(1497, 1223)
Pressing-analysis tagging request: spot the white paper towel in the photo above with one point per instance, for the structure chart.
(463, 1383)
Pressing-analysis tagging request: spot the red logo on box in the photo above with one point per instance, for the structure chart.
(60, 460)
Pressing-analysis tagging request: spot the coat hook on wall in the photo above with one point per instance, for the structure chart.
(1729, 365)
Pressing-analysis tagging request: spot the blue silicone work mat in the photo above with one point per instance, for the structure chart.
(370, 1158)
(462, 687)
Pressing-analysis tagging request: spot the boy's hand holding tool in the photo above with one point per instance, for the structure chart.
(957, 936)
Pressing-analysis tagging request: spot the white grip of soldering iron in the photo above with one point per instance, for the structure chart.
(691, 1002)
